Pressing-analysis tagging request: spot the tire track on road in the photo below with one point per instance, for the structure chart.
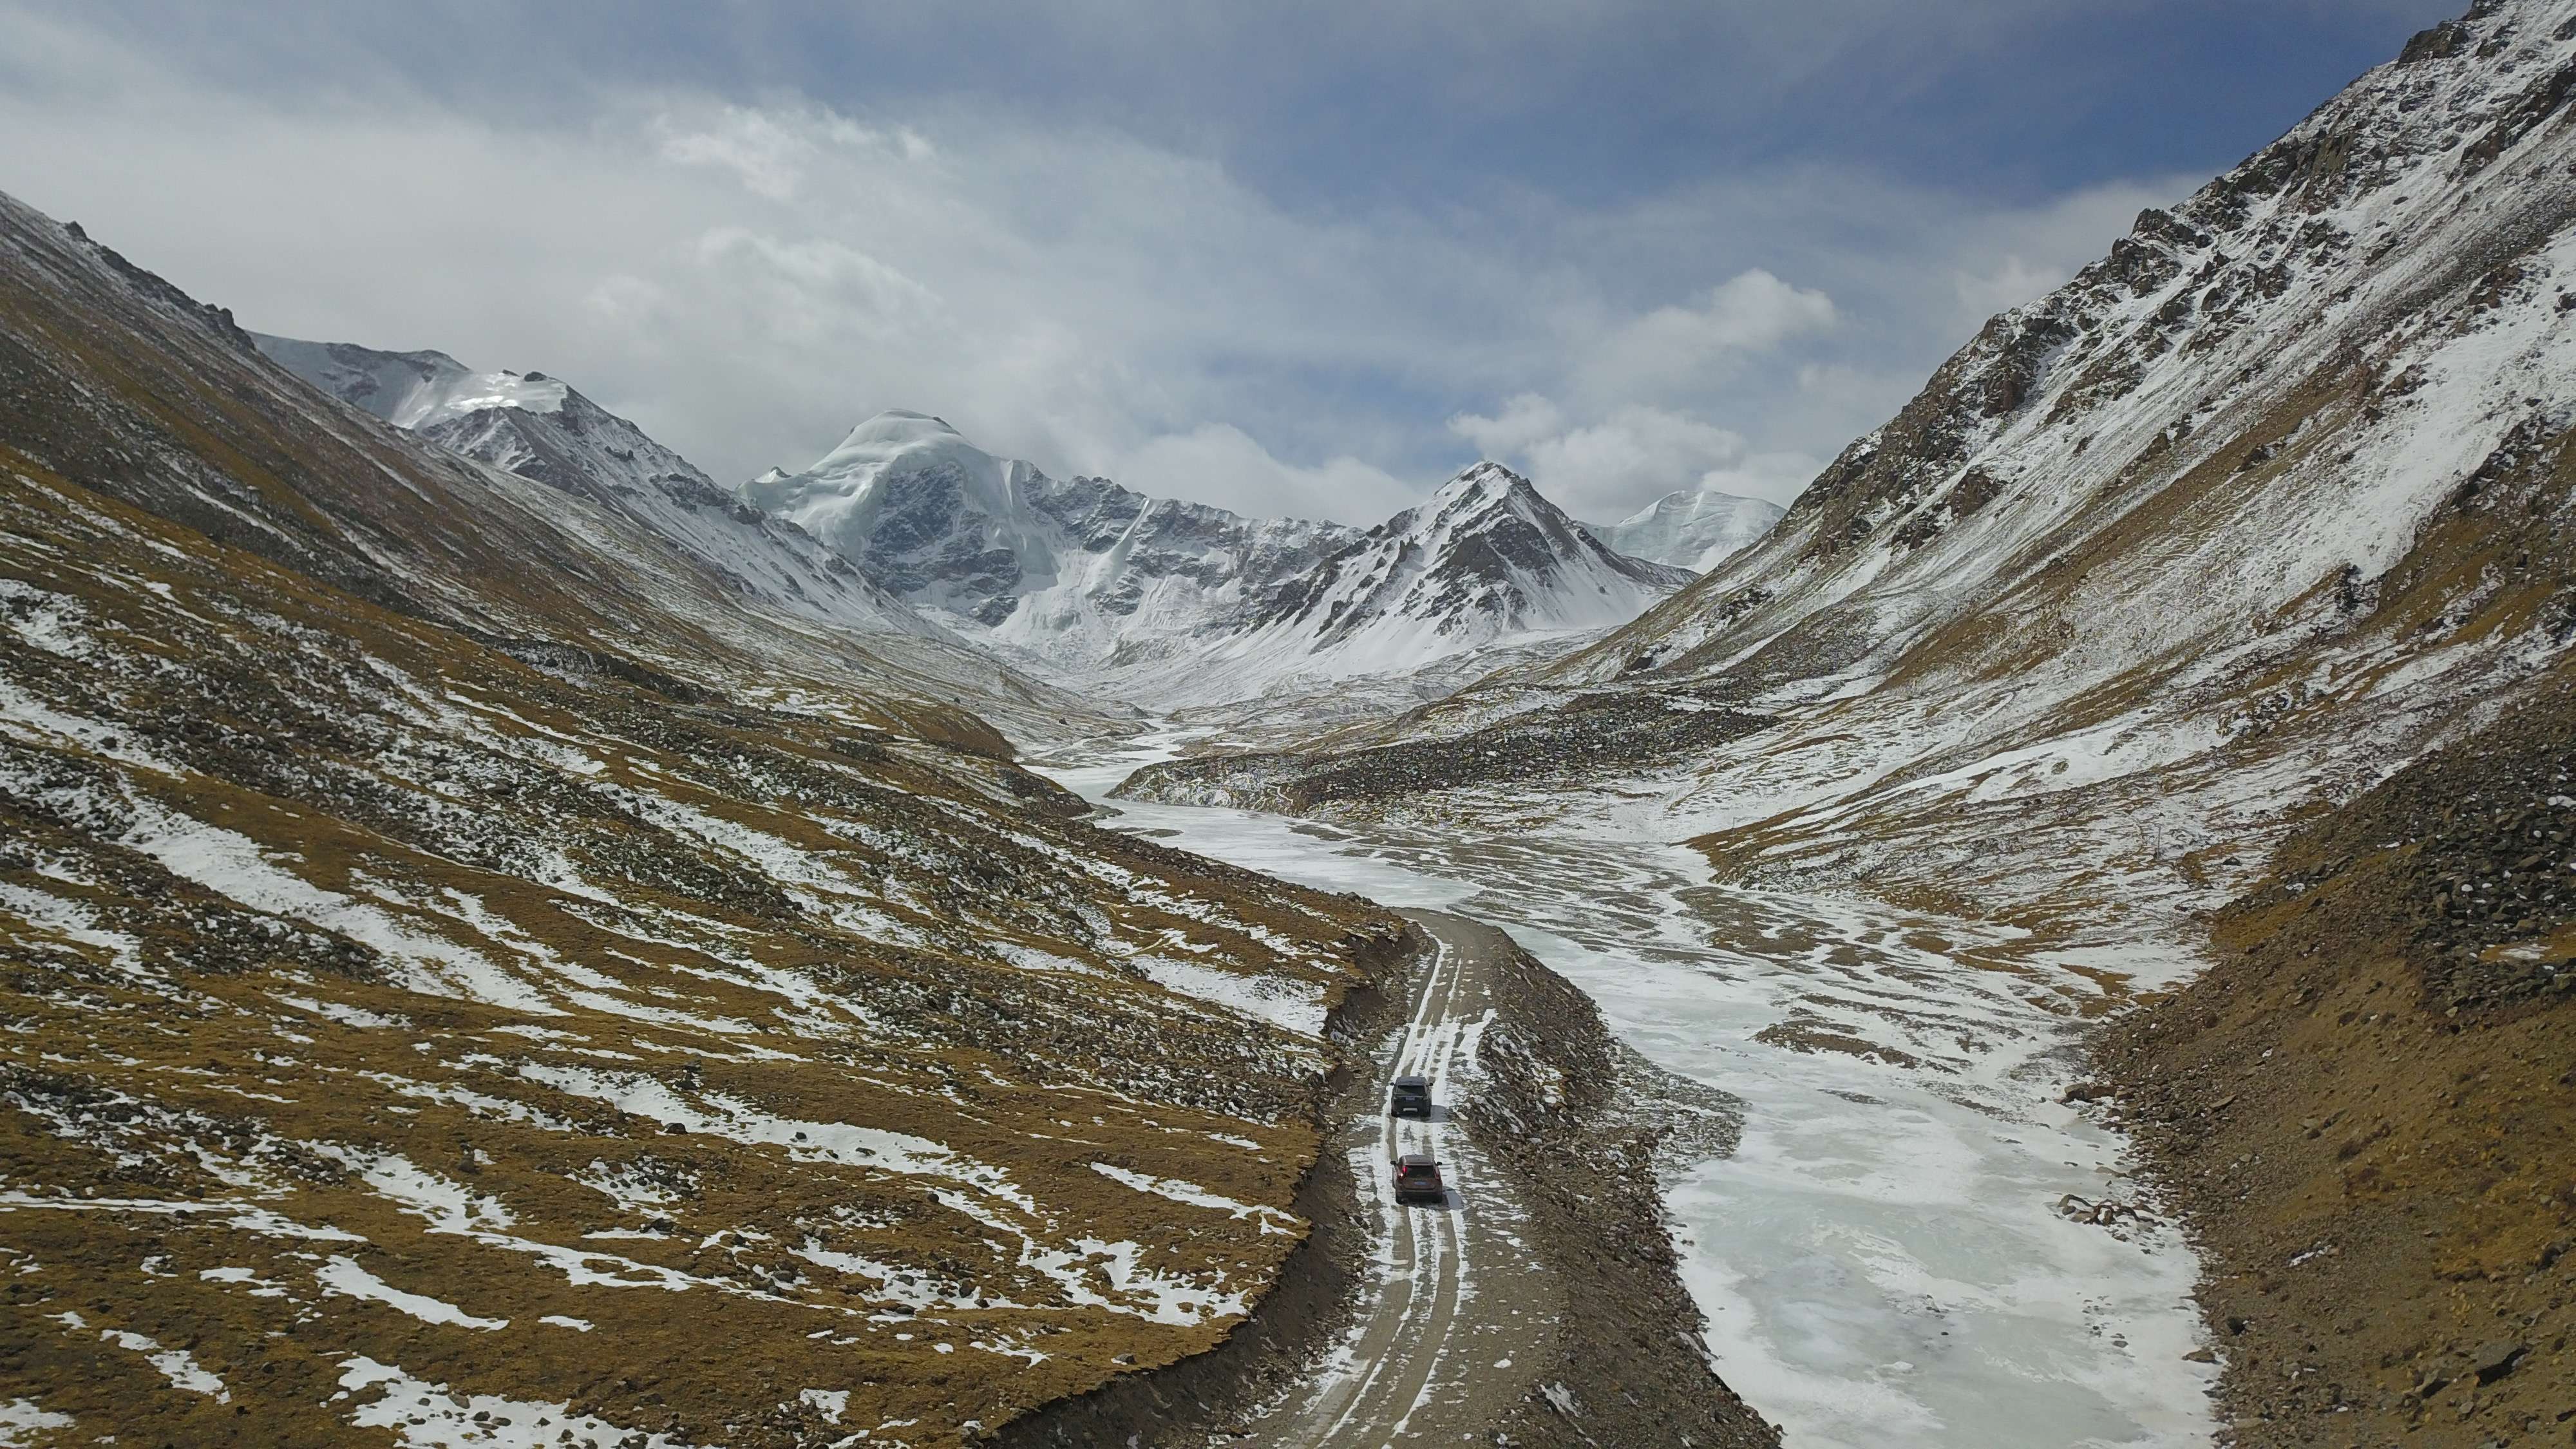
(1406, 1372)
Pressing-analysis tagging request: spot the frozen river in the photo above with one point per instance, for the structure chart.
(1882, 1261)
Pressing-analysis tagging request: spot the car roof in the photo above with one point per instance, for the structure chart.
(1413, 1081)
(1416, 1159)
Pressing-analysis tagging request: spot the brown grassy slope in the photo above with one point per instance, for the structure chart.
(210, 1077)
(2368, 1106)
(391, 892)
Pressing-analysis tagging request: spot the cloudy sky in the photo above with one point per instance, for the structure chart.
(1303, 259)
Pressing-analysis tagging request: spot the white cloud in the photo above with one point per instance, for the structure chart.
(1609, 467)
(766, 156)
(1218, 464)
(1629, 435)
(1606, 469)
(746, 281)
(1618, 445)
(1524, 419)
(2018, 257)
(2012, 282)
(1678, 351)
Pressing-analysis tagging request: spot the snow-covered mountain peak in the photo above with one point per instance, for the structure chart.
(900, 425)
(917, 439)
(539, 427)
(1692, 528)
(1171, 602)
(527, 391)
(1485, 560)
(415, 390)
(1071, 575)
(1485, 480)
(910, 471)
(1483, 488)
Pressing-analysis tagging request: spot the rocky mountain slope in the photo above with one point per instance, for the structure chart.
(2253, 513)
(541, 428)
(2365, 1105)
(1695, 529)
(1172, 604)
(2248, 513)
(474, 974)
(1074, 574)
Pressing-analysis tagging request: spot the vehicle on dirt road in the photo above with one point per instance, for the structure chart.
(1412, 1098)
(1417, 1179)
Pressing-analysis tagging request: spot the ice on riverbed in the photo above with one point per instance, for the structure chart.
(1880, 1261)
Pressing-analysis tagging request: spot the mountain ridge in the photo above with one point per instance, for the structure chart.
(414, 861)
(1169, 603)
(542, 428)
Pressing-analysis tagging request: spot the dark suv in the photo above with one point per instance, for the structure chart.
(1417, 1179)
(1412, 1098)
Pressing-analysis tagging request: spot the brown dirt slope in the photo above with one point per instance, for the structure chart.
(2367, 1108)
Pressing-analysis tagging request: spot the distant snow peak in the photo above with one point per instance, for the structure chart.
(1486, 558)
(1072, 574)
(1170, 603)
(906, 526)
(1692, 528)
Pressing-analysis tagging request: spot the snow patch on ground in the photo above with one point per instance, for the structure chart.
(345, 1277)
(22, 1418)
(1193, 1194)
(1297, 1006)
(424, 1415)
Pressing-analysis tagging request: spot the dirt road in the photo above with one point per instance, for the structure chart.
(1458, 1315)
(1538, 1304)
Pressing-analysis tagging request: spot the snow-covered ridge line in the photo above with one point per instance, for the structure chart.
(541, 428)
(1164, 603)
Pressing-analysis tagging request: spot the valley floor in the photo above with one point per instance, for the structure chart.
(1914, 1241)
